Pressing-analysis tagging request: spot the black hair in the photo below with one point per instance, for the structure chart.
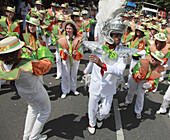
(10, 58)
(74, 28)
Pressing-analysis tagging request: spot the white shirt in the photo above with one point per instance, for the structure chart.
(24, 9)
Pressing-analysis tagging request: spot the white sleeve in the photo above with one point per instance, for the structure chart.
(118, 68)
(88, 69)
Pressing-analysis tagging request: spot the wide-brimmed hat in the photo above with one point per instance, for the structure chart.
(75, 13)
(158, 55)
(12, 9)
(53, 4)
(140, 28)
(33, 21)
(84, 12)
(42, 11)
(10, 44)
(61, 18)
(63, 6)
(155, 27)
(38, 2)
(154, 18)
(72, 22)
(160, 37)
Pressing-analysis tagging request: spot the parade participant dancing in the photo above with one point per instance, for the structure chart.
(145, 76)
(71, 52)
(28, 83)
(104, 75)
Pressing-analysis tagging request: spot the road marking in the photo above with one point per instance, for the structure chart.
(118, 122)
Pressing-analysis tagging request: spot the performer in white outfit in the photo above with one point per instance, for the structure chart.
(104, 75)
(26, 74)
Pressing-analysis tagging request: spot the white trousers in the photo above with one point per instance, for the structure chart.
(165, 103)
(58, 63)
(132, 64)
(98, 113)
(37, 114)
(69, 76)
(133, 87)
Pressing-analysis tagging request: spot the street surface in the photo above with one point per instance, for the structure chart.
(68, 119)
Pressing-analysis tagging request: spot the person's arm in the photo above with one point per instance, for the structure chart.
(45, 62)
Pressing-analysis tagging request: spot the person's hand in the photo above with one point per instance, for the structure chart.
(140, 76)
(74, 52)
(93, 58)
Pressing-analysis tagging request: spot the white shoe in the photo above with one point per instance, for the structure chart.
(43, 137)
(138, 116)
(91, 130)
(99, 124)
(63, 96)
(58, 77)
(76, 93)
(159, 112)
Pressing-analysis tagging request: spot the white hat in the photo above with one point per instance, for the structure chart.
(72, 22)
(160, 37)
(158, 55)
(10, 44)
(33, 21)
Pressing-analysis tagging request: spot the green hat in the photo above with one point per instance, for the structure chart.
(42, 11)
(136, 16)
(61, 18)
(158, 55)
(53, 4)
(38, 2)
(155, 27)
(163, 22)
(148, 20)
(10, 9)
(161, 37)
(33, 21)
(76, 14)
(125, 15)
(63, 6)
(140, 28)
(154, 18)
(10, 44)
(84, 12)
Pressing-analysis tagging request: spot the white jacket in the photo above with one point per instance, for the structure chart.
(107, 84)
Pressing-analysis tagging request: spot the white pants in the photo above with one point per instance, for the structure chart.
(104, 109)
(58, 63)
(133, 87)
(69, 76)
(132, 64)
(37, 114)
(165, 103)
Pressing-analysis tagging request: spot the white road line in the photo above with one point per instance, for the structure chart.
(118, 122)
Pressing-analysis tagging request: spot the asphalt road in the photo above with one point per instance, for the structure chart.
(68, 119)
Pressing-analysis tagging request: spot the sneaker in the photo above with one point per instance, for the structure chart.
(99, 123)
(159, 112)
(125, 104)
(76, 93)
(138, 116)
(63, 96)
(126, 87)
(91, 129)
(58, 77)
(43, 137)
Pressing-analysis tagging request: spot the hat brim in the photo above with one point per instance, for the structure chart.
(140, 30)
(162, 40)
(14, 49)
(162, 61)
(10, 10)
(32, 23)
(71, 22)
